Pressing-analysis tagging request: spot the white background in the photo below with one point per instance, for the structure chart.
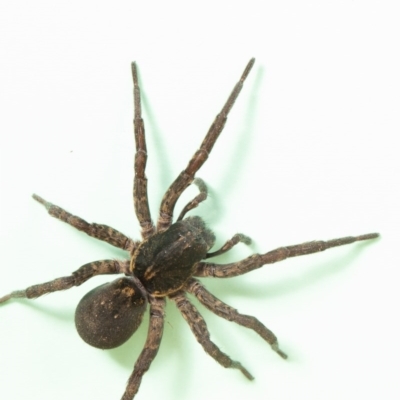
(310, 151)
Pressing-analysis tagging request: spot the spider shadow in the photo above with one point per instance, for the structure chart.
(241, 154)
(242, 144)
(214, 209)
(64, 315)
(308, 277)
(158, 142)
(232, 290)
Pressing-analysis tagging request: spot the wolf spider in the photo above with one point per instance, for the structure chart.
(164, 263)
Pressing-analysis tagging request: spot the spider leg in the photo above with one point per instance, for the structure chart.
(140, 198)
(197, 200)
(186, 177)
(102, 232)
(150, 349)
(239, 237)
(78, 277)
(258, 260)
(229, 313)
(200, 331)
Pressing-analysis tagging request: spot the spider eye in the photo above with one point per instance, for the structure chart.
(108, 315)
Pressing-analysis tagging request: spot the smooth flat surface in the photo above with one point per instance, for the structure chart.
(310, 151)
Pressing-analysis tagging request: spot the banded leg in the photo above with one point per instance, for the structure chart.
(81, 275)
(197, 200)
(140, 198)
(258, 260)
(239, 237)
(102, 232)
(200, 331)
(229, 313)
(186, 177)
(150, 349)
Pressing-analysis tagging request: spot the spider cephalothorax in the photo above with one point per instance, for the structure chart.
(164, 264)
(165, 261)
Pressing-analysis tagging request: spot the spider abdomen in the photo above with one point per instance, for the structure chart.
(108, 315)
(165, 261)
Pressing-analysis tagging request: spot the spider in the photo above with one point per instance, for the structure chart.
(165, 263)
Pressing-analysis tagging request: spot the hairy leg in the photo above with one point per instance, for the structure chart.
(223, 310)
(197, 200)
(186, 177)
(258, 260)
(200, 331)
(140, 197)
(102, 232)
(150, 349)
(239, 237)
(78, 277)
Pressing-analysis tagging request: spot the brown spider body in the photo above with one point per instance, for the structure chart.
(164, 264)
(109, 315)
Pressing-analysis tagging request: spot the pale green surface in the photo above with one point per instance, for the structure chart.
(320, 111)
